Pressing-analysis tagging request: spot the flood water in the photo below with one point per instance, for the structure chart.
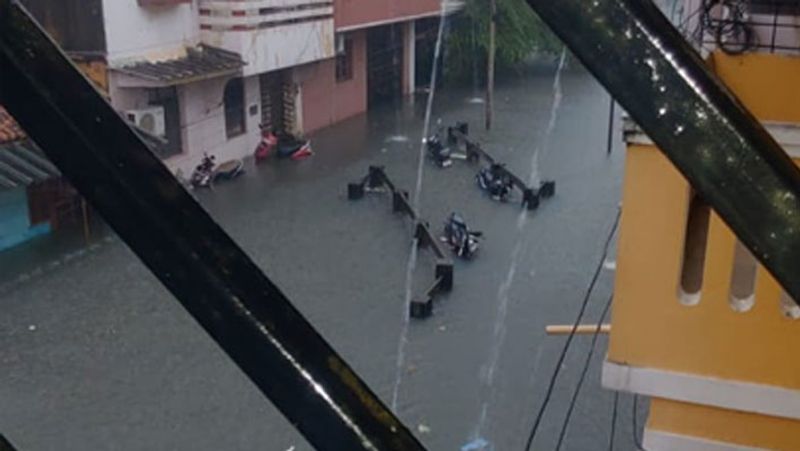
(96, 354)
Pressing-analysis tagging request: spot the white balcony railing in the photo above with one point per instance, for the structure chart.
(270, 34)
(261, 14)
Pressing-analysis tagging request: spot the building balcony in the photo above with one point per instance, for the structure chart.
(698, 324)
(738, 27)
(270, 35)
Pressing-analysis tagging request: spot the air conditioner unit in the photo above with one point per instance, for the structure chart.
(149, 119)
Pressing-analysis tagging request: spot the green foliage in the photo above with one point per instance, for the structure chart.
(520, 34)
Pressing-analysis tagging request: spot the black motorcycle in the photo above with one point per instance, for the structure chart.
(495, 181)
(438, 151)
(208, 172)
(203, 174)
(462, 241)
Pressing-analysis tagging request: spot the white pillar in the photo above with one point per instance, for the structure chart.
(297, 84)
(409, 55)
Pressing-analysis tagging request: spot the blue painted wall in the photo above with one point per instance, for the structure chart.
(15, 227)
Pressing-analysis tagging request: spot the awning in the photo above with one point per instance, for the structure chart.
(22, 164)
(199, 63)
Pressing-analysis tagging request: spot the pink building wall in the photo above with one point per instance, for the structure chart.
(353, 13)
(326, 101)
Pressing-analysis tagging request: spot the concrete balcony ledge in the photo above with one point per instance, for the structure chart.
(697, 389)
(787, 134)
(655, 440)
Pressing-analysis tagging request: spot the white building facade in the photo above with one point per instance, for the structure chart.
(204, 75)
(164, 61)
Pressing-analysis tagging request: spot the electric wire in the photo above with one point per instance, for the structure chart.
(582, 377)
(559, 363)
(412, 256)
(613, 421)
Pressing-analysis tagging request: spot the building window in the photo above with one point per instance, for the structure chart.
(234, 108)
(344, 62)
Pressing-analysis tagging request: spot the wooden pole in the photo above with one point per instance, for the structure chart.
(490, 65)
(583, 329)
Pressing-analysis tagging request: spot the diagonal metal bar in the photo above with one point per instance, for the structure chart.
(208, 273)
(5, 445)
(722, 150)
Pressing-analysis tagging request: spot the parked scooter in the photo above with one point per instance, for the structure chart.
(283, 145)
(267, 145)
(290, 146)
(495, 181)
(208, 172)
(438, 150)
(203, 174)
(462, 241)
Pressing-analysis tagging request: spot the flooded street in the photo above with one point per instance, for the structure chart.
(97, 355)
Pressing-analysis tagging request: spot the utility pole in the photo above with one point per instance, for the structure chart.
(490, 65)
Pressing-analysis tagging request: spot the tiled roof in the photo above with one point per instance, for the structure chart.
(200, 62)
(10, 131)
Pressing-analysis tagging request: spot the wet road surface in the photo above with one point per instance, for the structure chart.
(97, 355)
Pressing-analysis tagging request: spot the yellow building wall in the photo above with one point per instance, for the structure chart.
(768, 84)
(740, 428)
(651, 328)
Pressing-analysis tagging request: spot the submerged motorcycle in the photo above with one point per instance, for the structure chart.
(208, 172)
(284, 145)
(495, 181)
(203, 174)
(462, 241)
(438, 150)
(294, 148)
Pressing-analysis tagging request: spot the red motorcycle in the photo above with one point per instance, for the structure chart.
(284, 146)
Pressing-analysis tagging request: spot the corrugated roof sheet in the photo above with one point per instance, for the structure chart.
(22, 163)
(200, 62)
(10, 131)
